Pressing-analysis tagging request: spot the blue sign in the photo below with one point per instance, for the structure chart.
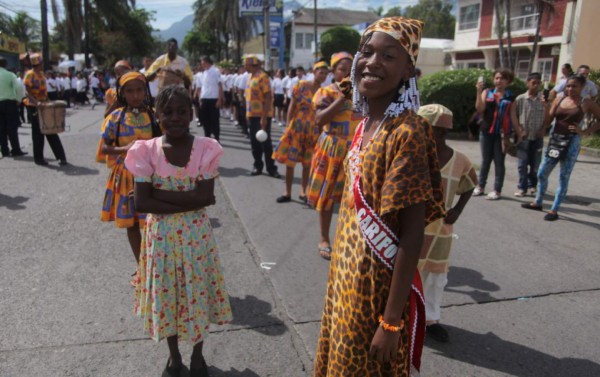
(274, 35)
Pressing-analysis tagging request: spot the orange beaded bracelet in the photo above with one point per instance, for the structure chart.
(388, 327)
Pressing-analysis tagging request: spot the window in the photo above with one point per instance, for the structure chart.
(545, 68)
(308, 40)
(300, 41)
(469, 17)
(463, 64)
(525, 17)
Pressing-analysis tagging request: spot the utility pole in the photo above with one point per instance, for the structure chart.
(267, 31)
(86, 43)
(315, 26)
(45, 50)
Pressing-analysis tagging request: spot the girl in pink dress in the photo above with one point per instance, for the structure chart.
(182, 289)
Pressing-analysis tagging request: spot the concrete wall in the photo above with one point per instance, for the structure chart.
(585, 34)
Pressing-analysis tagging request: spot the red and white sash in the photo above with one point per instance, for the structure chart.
(384, 244)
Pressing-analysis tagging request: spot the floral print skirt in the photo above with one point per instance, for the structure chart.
(182, 289)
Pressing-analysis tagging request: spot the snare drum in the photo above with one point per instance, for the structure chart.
(168, 77)
(51, 115)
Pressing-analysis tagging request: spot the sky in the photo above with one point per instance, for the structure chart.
(171, 11)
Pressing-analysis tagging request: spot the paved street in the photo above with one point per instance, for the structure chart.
(522, 298)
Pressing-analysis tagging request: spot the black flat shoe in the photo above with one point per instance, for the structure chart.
(303, 198)
(18, 154)
(551, 217)
(173, 371)
(63, 162)
(274, 174)
(255, 172)
(437, 333)
(531, 206)
(41, 162)
(283, 199)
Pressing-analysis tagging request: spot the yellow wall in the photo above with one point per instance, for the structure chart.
(586, 49)
(10, 44)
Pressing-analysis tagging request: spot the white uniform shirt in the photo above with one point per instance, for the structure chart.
(51, 85)
(81, 83)
(285, 82)
(94, 82)
(277, 86)
(242, 81)
(211, 78)
(153, 85)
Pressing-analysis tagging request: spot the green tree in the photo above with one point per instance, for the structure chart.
(543, 7)
(394, 12)
(378, 11)
(437, 16)
(22, 27)
(220, 17)
(198, 43)
(339, 38)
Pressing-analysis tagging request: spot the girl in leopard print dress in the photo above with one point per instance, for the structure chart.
(371, 324)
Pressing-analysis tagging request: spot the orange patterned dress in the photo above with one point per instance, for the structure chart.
(326, 182)
(399, 169)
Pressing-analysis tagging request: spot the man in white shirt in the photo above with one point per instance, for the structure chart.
(153, 85)
(51, 86)
(210, 92)
(197, 83)
(240, 84)
(588, 91)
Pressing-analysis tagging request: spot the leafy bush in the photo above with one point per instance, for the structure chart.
(456, 90)
(591, 142)
(339, 38)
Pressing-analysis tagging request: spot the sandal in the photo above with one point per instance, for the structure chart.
(325, 252)
(532, 206)
(136, 280)
(283, 199)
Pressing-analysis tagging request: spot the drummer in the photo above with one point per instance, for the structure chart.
(173, 63)
(36, 93)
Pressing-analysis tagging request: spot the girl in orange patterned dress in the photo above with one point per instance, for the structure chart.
(335, 114)
(122, 128)
(298, 141)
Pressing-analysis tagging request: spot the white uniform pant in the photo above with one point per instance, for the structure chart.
(433, 287)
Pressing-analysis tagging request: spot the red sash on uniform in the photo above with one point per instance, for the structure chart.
(384, 244)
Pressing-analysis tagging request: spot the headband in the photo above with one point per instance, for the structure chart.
(130, 76)
(338, 56)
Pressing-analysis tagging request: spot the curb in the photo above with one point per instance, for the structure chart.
(590, 152)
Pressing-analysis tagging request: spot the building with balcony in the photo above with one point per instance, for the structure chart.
(566, 36)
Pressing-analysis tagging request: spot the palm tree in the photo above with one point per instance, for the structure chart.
(220, 17)
(543, 6)
(25, 29)
(511, 63)
(499, 31)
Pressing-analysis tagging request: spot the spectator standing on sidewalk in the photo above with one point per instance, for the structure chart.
(530, 115)
(458, 178)
(35, 84)
(493, 105)
(11, 94)
(565, 141)
(259, 111)
(210, 93)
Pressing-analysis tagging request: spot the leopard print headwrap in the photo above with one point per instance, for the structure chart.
(408, 34)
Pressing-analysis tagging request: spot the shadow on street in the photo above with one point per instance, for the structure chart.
(13, 203)
(491, 352)
(466, 277)
(256, 314)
